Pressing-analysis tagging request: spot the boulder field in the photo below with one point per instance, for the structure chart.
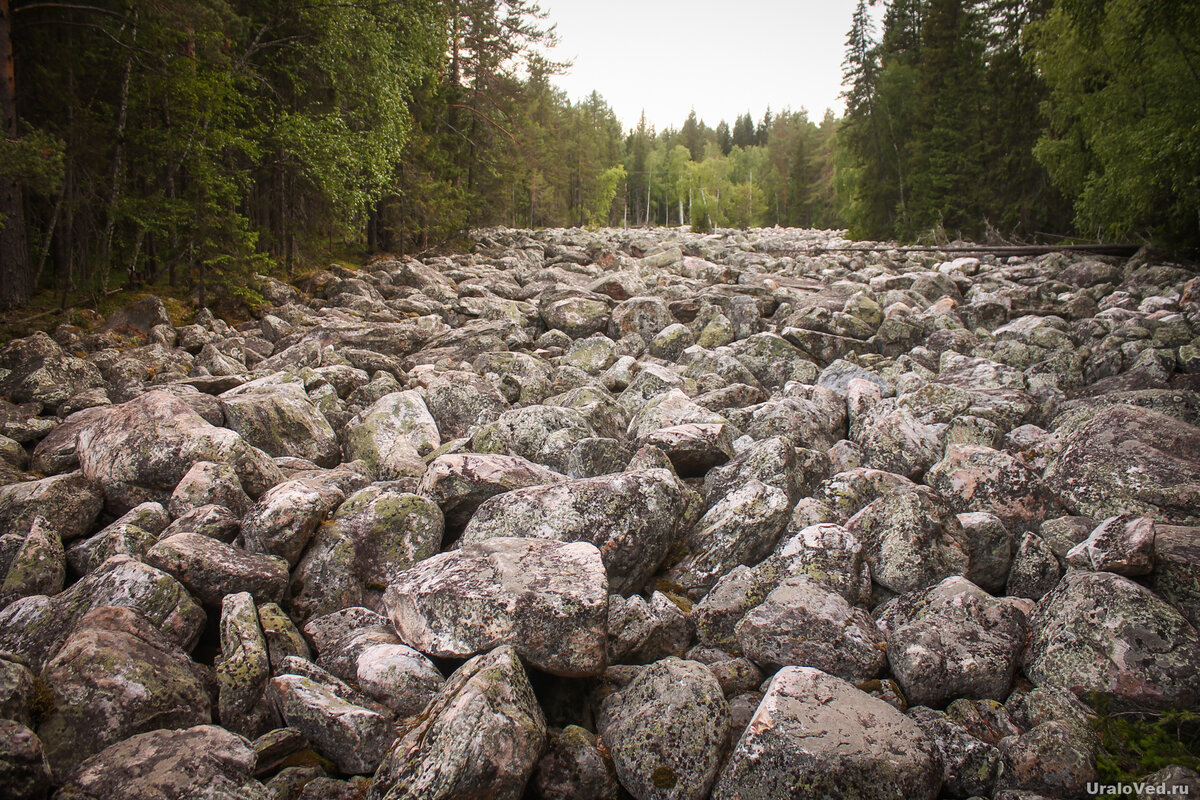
(607, 514)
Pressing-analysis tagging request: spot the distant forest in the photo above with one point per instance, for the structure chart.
(197, 141)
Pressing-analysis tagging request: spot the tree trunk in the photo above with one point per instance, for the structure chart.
(16, 274)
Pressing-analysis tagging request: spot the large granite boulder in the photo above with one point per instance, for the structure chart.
(1125, 459)
(117, 675)
(480, 737)
(1107, 638)
(666, 730)
(546, 599)
(632, 517)
(139, 451)
(170, 765)
(281, 420)
(816, 736)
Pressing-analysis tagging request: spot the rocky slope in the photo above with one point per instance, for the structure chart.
(606, 514)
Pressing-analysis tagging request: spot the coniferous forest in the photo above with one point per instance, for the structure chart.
(198, 142)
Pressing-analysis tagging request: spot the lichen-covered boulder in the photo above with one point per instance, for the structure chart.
(1035, 569)
(38, 369)
(384, 669)
(68, 503)
(666, 730)
(209, 483)
(35, 627)
(281, 420)
(243, 668)
(815, 736)
(642, 632)
(575, 768)
(539, 433)
(990, 547)
(742, 528)
(694, 448)
(1126, 460)
(911, 539)
(771, 461)
(968, 764)
(169, 765)
(212, 569)
(1176, 576)
(953, 640)
(284, 519)
(1102, 635)
(487, 701)
(140, 450)
(632, 517)
(460, 482)
(976, 478)
(117, 675)
(802, 623)
(1123, 544)
(39, 566)
(459, 400)
(352, 737)
(379, 437)
(549, 600)
(24, 773)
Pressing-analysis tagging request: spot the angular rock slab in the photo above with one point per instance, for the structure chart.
(211, 569)
(170, 765)
(1100, 634)
(631, 516)
(816, 736)
(140, 450)
(546, 599)
(976, 478)
(480, 737)
(666, 730)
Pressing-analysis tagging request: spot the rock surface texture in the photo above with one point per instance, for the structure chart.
(608, 514)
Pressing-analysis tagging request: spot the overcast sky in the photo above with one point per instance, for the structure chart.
(723, 57)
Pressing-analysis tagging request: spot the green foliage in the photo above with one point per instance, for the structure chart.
(35, 161)
(1124, 133)
(1134, 747)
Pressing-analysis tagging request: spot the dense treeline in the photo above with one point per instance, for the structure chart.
(1023, 117)
(196, 141)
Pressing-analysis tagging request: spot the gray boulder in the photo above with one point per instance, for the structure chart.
(976, 478)
(1102, 635)
(460, 482)
(911, 539)
(352, 737)
(170, 765)
(140, 450)
(1125, 460)
(666, 730)
(548, 600)
(814, 736)
(632, 517)
(35, 627)
(24, 773)
(742, 528)
(281, 420)
(211, 569)
(488, 699)
(953, 640)
(117, 675)
(69, 504)
(802, 623)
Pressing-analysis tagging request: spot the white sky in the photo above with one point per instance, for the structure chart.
(723, 57)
